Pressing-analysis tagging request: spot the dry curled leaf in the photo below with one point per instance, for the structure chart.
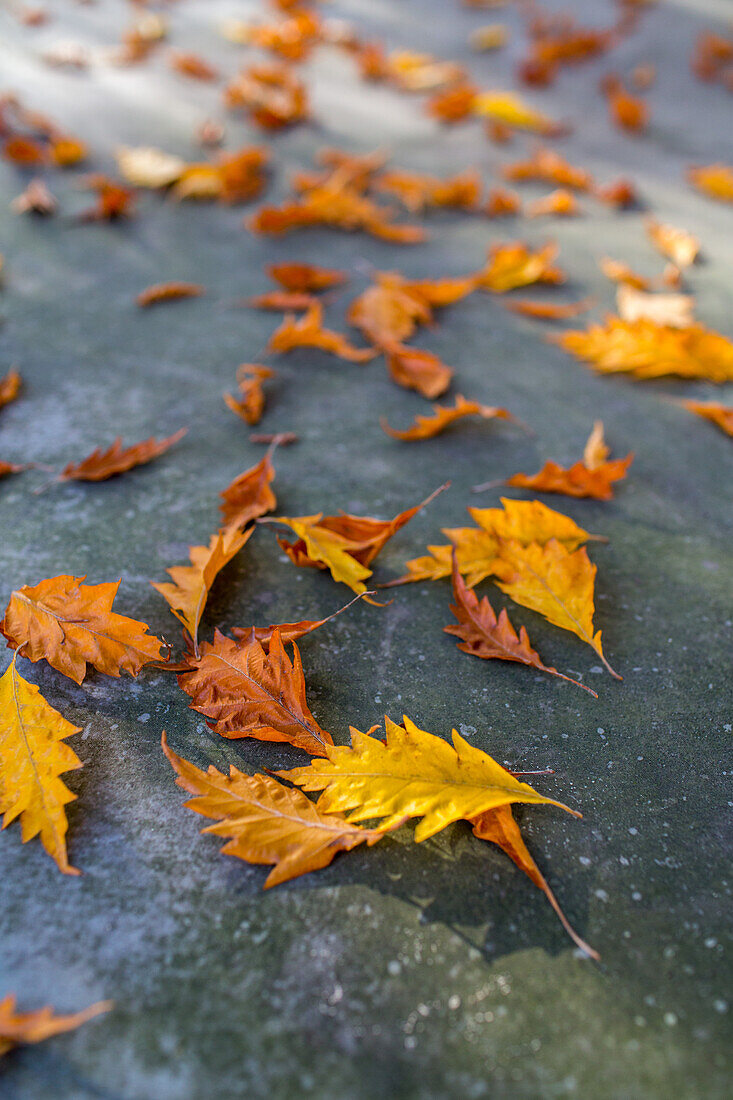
(417, 369)
(502, 203)
(249, 495)
(644, 349)
(36, 199)
(674, 310)
(477, 547)
(720, 415)
(251, 403)
(417, 191)
(10, 385)
(302, 277)
(628, 111)
(592, 477)
(548, 166)
(510, 266)
(266, 822)
(619, 272)
(166, 292)
(425, 427)
(560, 203)
(555, 582)
(548, 311)
(388, 311)
(113, 200)
(289, 632)
(308, 332)
(285, 301)
(33, 755)
(17, 1028)
(714, 180)
(7, 468)
(100, 465)
(246, 691)
(452, 104)
(272, 95)
(677, 245)
(71, 624)
(484, 635)
(189, 590)
(191, 65)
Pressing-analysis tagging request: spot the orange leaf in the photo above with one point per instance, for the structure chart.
(272, 95)
(417, 191)
(10, 385)
(247, 692)
(165, 292)
(548, 166)
(425, 427)
(100, 465)
(578, 480)
(113, 200)
(416, 369)
(677, 245)
(548, 311)
(71, 624)
(287, 301)
(389, 311)
(515, 265)
(301, 277)
(267, 822)
(190, 64)
(499, 827)
(483, 635)
(720, 415)
(308, 332)
(627, 111)
(250, 407)
(714, 180)
(561, 203)
(189, 591)
(32, 757)
(290, 632)
(249, 495)
(34, 1027)
(502, 203)
(453, 104)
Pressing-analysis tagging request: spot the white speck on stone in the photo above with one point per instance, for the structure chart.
(143, 717)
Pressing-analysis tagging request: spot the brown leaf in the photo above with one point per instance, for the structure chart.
(548, 311)
(249, 495)
(251, 404)
(301, 277)
(247, 692)
(549, 167)
(287, 301)
(71, 624)
(575, 481)
(113, 200)
(483, 635)
(10, 385)
(100, 465)
(308, 332)
(425, 427)
(417, 369)
(290, 632)
(191, 65)
(272, 95)
(165, 292)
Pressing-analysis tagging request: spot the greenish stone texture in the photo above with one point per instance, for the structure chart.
(413, 972)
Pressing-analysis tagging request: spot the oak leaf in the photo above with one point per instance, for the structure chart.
(555, 582)
(189, 590)
(251, 403)
(249, 496)
(714, 180)
(165, 292)
(412, 773)
(100, 465)
(720, 415)
(267, 822)
(305, 277)
(499, 827)
(515, 265)
(417, 369)
(647, 350)
(484, 635)
(246, 691)
(10, 385)
(33, 1027)
(308, 332)
(71, 624)
(33, 755)
(425, 427)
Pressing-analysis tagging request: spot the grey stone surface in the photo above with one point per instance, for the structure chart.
(431, 971)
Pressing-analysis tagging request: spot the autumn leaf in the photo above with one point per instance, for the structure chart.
(483, 635)
(647, 350)
(510, 108)
(502, 203)
(452, 104)
(499, 827)
(249, 495)
(33, 755)
(425, 427)
(290, 632)
(166, 292)
(266, 822)
(251, 403)
(714, 180)
(7, 468)
(555, 582)
(302, 277)
(17, 1028)
(189, 590)
(720, 415)
(417, 191)
(547, 166)
(515, 265)
(191, 65)
(627, 111)
(548, 311)
(10, 385)
(113, 200)
(36, 199)
(417, 369)
(100, 465)
(388, 312)
(308, 332)
(582, 479)
(344, 544)
(619, 272)
(677, 245)
(272, 95)
(71, 624)
(560, 203)
(144, 166)
(246, 691)
(412, 773)
(285, 301)
(672, 310)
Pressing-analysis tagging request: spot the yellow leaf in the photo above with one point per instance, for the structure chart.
(328, 548)
(32, 757)
(189, 591)
(412, 774)
(510, 108)
(267, 822)
(677, 245)
(715, 180)
(554, 582)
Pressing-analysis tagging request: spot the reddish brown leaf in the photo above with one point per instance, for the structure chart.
(100, 465)
(548, 311)
(416, 369)
(10, 385)
(291, 632)
(425, 427)
(251, 404)
(190, 64)
(166, 292)
(301, 277)
(249, 495)
(308, 332)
